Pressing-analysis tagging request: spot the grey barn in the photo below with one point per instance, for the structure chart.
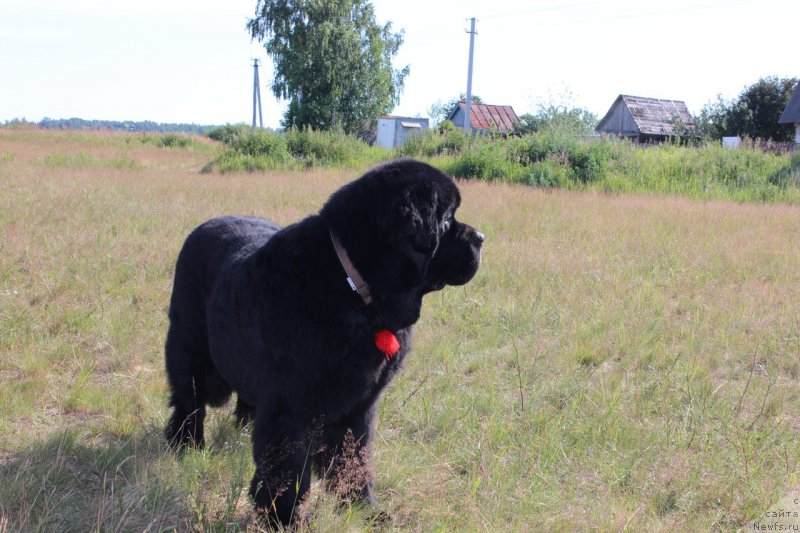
(646, 119)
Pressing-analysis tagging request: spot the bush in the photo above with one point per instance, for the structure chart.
(262, 150)
(547, 158)
(332, 148)
(446, 140)
(262, 143)
(174, 140)
(486, 159)
(231, 161)
(168, 140)
(251, 151)
(789, 174)
(228, 133)
(549, 173)
(584, 161)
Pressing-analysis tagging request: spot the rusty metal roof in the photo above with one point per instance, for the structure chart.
(653, 116)
(489, 117)
(792, 111)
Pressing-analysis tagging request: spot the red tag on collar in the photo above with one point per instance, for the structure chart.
(387, 343)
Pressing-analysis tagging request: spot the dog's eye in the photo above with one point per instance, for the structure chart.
(447, 223)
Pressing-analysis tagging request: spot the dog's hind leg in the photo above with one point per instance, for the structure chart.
(245, 413)
(186, 366)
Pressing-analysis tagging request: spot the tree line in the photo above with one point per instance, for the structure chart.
(145, 126)
(142, 126)
(754, 113)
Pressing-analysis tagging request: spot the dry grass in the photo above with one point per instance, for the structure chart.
(618, 362)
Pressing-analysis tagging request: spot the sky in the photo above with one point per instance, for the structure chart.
(190, 61)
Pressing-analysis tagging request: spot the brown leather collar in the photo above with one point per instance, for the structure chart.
(354, 279)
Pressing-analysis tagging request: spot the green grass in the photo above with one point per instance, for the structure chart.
(260, 150)
(555, 159)
(619, 361)
(547, 159)
(173, 140)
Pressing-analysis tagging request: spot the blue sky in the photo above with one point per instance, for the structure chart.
(191, 60)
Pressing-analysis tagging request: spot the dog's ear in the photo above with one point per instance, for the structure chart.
(415, 217)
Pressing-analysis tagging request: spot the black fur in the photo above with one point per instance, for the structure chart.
(267, 313)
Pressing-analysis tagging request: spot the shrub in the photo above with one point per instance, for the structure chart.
(789, 174)
(547, 158)
(262, 143)
(174, 140)
(446, 140)
(333, 148)
(251, 151)
(168, 140)
(231, 161)
(485, 159)
(228, 133)
(585, 160)
(549, 173)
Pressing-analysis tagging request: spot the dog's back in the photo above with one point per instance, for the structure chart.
(193, 380)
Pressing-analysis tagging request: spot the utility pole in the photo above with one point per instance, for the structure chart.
(256, 97)
(467, 118)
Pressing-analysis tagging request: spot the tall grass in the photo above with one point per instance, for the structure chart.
(619, 361)
(259, 150)
(551, 158)
(173, 140)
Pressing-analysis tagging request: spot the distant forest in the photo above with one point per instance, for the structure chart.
(125, 125)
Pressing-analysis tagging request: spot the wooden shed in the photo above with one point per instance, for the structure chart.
(485, 117)
(393, 131)
(791, 115)
(646, 119)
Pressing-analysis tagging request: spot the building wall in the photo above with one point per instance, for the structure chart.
(458, 118)
(385, 137)
(402, 132)
(392, 133)
(620, 121)
(797, 133)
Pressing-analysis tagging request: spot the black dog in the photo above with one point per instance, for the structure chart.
(304, 322)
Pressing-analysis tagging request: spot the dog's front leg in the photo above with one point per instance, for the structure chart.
(346, 459)
(282, 478)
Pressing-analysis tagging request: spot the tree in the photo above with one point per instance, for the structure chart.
(559, 113)
(333, 62)
(438, 111)
(754, 113)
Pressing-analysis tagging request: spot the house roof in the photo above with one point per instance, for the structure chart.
(487, 117)
(398, 117)
(792, 111)
(653, 116)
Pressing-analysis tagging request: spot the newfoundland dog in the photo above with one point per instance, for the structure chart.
(309, 323)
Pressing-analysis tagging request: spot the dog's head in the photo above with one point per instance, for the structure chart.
(401, 231)
(444, 250)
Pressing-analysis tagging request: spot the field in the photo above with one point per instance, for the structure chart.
(619, 362)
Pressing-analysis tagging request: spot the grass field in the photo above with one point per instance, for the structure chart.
(619, 362)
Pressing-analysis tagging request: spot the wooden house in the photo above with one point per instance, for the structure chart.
(791, 115)
(646, 119)
(485, 118)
